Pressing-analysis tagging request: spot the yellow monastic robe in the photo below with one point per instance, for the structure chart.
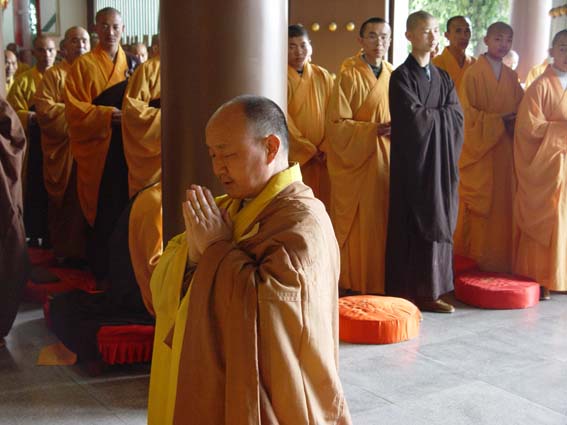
(9, 85)
(145, 241)
(286, 372)
(540, 205)
(359, 168)
(22, 67)
(22, 92)
(350, 62)
(307, 99)
(487, 184)
(535, 72)
(141, 126)
(447, 62)
(90, 126)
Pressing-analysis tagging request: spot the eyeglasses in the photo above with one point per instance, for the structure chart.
(384, 38)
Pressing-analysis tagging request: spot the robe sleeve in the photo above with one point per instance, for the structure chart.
(50, 110)
(300, 148)
(17, 97)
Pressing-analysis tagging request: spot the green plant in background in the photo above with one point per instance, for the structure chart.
(481, 13)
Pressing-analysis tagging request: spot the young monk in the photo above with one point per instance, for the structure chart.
(427, 137)
(454, 58)
(359, 160)
(536, 71)
(308, 90)
(490, 95)
(540, 204)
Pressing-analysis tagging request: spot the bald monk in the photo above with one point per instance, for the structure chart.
(540, 211)
(140, 51)
(59, 168)
(141, 124)
(21, 97)
(359, 161)
(254, 337)
(454, 59)
(22, 66)
(427, 136)
(11, 66)
(93, 96)
(490, 95)
(535, 72)
(308, 91)
(14, 262)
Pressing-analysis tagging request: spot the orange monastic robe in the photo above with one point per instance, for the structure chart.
(487, 185)
(141, 126)
(359, 167)
(90, 127)
(540, 205)
(535, 72)
(307, 99)
(447, 62)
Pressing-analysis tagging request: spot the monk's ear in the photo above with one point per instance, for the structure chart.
(272, 145)
(408, 36)
(359, 39)
(485, 40)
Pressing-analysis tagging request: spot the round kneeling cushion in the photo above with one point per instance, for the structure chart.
(496, 290)
(125, 344)
(370, 319)
(463, 264)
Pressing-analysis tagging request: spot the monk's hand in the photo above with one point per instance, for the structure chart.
(209, 224)
(116, 116)
(384, 129)
(192, 253)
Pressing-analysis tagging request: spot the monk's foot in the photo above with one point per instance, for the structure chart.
(436, 306)
(544, 293)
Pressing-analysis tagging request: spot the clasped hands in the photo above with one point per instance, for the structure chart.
(205, 222)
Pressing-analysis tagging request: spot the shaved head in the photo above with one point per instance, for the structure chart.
(499, 28)
(76, 43)
(10, 63)
(107, 11)
(559, 37)
(44, 51)
(417, 18)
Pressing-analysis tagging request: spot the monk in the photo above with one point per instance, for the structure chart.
(490, 95)
(11, 65)
(14, 262)
(141, 124)
(93, 97)
(140, 51)
(535, 72)
(22, 99)
(22, 66)
(359, 161)
(427, 136)
(253, 339)
(308, 91)
(59, 168)
(540, 210)
(454, 59)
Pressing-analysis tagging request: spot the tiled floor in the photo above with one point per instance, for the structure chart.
(472, 367)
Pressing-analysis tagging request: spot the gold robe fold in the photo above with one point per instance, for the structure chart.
(90, 127)
(141, 127)
(359, 167)
(535, 72)
(21, 95)
(275, 287)
(447, 62)
(487, 184)
(307, 99)
(540, 204)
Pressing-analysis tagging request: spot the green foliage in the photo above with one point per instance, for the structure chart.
(482, 13)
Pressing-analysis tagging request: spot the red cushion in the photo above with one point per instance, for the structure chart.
(369, 319)
(69, 279)
(41, 257)
(125, 344)
(463, 264)
(496, 290)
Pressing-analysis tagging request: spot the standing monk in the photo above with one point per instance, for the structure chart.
(141, 124)
(59, 168)
(93, 95)
(540, 204)
(359, 160)
(254, 338)
(427, 136)
(454, 59)
(490, 95)
(308, 90)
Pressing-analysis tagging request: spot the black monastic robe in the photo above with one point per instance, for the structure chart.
(426, 141)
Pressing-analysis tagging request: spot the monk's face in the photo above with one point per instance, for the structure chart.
(77, 43)
(559, 53)
(459, 33)
(424, 37)
(240, 159)
(109, 28)
(141, 52)
(498, 43)
(44, 52)
(11, 63)
(299, 51)
(375, 41)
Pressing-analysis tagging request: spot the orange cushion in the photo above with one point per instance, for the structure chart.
(370, 319)
(496, 290)
(463, 264)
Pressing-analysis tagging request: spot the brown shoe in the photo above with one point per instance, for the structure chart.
(437, 306)
(544, 293)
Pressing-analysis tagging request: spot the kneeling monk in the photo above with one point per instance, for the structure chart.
(253, 338)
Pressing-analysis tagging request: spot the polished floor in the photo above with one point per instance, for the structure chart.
(473, 367)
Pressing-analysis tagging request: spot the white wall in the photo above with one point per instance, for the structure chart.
(8, 24)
